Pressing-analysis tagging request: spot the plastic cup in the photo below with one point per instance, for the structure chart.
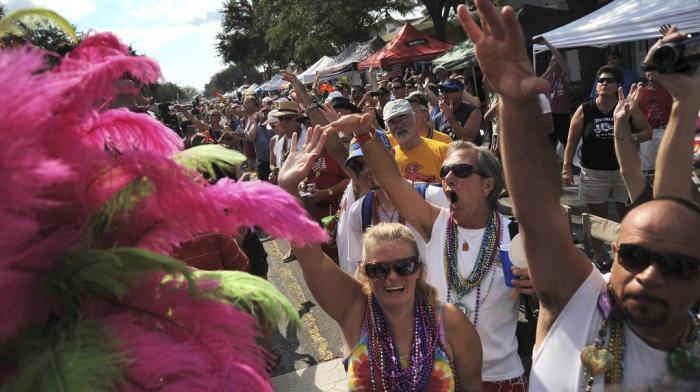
(506, 264)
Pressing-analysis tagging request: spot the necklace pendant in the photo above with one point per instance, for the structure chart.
(683, 364)
(597, 360)
(465, 246)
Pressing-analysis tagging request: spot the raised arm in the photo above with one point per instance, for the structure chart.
(201, 125)
(334, 146)
(675, 156)
(412, 207)
(339, 294)
(625, 147)
(566, 70)
(556, 267)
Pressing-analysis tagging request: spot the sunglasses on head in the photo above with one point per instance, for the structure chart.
(636, 258)
(403, 267)
(461, 170)
(356, 165)
(608, 80)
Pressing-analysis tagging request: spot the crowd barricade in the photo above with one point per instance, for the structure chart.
(598, 228)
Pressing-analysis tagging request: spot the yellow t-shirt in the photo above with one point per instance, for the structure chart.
(435, 135)
(423, 162)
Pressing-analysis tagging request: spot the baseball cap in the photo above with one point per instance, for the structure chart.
(334, 95)
(396, 108)
(451, 85)
(271, 120)
(356, 151)
(439, 68)
(344, 103)
(418, 97)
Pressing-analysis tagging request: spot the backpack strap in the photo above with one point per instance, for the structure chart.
(367, 210)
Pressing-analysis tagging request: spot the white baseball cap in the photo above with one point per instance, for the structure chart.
(396, 108)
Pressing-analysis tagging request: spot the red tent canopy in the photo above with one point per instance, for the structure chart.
(408, 46)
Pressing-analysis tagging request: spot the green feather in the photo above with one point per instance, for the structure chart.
(252, 294)
(75, 357)
(203, 158)
(111, 273)
(35, 18)
(116, 209)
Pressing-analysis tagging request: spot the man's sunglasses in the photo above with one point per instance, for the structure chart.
(636, 258)
(403, 267)
(461, 170)
(608, 80)
(356, 165)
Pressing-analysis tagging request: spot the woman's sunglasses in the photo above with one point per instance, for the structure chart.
(461, 170)
(636, 258)
(403, 267)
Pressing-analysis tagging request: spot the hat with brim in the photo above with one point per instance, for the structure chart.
(418, 97)
(356, 151)
(285, 109)
(344, 103)
(450, 86)
(395, 108)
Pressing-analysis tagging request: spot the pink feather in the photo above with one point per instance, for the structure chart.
(124, 130)
(184, 343)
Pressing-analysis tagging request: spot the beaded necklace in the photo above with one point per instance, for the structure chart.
(682, 361)
(384, 360)
(488, 253)
(374, 208)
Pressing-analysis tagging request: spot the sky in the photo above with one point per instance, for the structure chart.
(180, 34)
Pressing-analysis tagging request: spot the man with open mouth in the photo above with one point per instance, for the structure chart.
(462, 241)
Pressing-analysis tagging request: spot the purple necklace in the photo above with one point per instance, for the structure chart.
(385, 363)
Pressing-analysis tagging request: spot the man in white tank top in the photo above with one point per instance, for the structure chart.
(635, 332)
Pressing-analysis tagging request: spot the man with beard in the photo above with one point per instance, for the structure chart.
(636, 331)
(462, 243)
(419, 159)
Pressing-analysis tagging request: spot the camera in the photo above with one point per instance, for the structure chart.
(676, 56)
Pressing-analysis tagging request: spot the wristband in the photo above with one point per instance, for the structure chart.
(313, 105)
(364, 138)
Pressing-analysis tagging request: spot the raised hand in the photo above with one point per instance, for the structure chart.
(299, 162)
(357, 123)
(330, 113)
(623, 109)
(665, 28)
(500, 50)
(680, 85)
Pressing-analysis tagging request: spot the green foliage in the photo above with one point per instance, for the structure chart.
(232, 76)
(252, 294)
(276, 32)
(169, 92)
(73, 357)
(202, 159)
(111, 273)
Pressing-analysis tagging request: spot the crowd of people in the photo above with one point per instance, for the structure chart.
(407, 185)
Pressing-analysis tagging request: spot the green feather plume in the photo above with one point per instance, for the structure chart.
(74, 357)
(116, 209)
(203, 158)
(112, 273)
(33, 19)
(252, 294)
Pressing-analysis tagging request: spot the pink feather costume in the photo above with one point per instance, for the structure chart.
(64, 156)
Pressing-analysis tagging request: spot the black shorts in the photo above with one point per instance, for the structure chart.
(561, 126)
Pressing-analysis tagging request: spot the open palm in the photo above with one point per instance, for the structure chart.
(298, 163)
(500, 50)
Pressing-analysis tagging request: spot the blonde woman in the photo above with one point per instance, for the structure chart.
(401, 337)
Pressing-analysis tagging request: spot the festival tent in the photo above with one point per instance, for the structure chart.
(461, 56)
(274, 84)
(347, 60)
(624, 21)
(309, 74)
(409, 45)
(251, 88)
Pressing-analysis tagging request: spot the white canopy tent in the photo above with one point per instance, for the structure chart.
(624, 21)
(309, 75)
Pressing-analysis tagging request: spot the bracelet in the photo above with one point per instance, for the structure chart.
(314, 105)
(566, 165)
(364, 138)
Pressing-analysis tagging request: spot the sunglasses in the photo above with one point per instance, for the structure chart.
(608, 80)
(356, 165)
(461, 170)
(636, 258)
(403, 267)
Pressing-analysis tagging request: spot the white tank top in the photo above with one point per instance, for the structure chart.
(556, 365)
(498, 311)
